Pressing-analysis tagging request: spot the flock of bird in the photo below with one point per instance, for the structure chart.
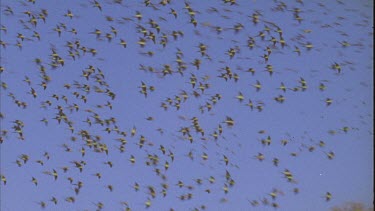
(173, 105)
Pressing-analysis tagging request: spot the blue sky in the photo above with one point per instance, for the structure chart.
(303, 119)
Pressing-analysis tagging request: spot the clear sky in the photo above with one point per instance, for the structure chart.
(110, 78)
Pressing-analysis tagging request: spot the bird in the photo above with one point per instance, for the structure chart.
(297, 50)
(328, 196)
(275, 162)
(69, 14)
(330, 155)
(132, 159)
(133, 131)
(70, 199)
(53, 173)
(197, 67)
(35, 181)
(3, 179)
(322, 87)
(259, 157)
(240, 97)
(229, 121)
(337, 67)
(328, 101)
(279, 99)
(54, 200)
(282, 87)
(33, 93)
(97, 5)
(257, 86)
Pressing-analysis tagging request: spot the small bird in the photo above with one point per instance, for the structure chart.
(148, 203)
(3, 179)
(123, 43)
(322, 87)
(328, 101)
(229, 121)
(259, 157)
(69, 14)
(240, 97)
(275, 162)
(136, 186)
(132, 159)
(34, 180)
(282, 87)
(97, 5)
(33, 93)
(337, 67)
(53, 173)
(42, 204)
(109, 163)
(328, 196)
(54, 200)
(133, 131)
(330, 155)
(257, 86)
(297, 50)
